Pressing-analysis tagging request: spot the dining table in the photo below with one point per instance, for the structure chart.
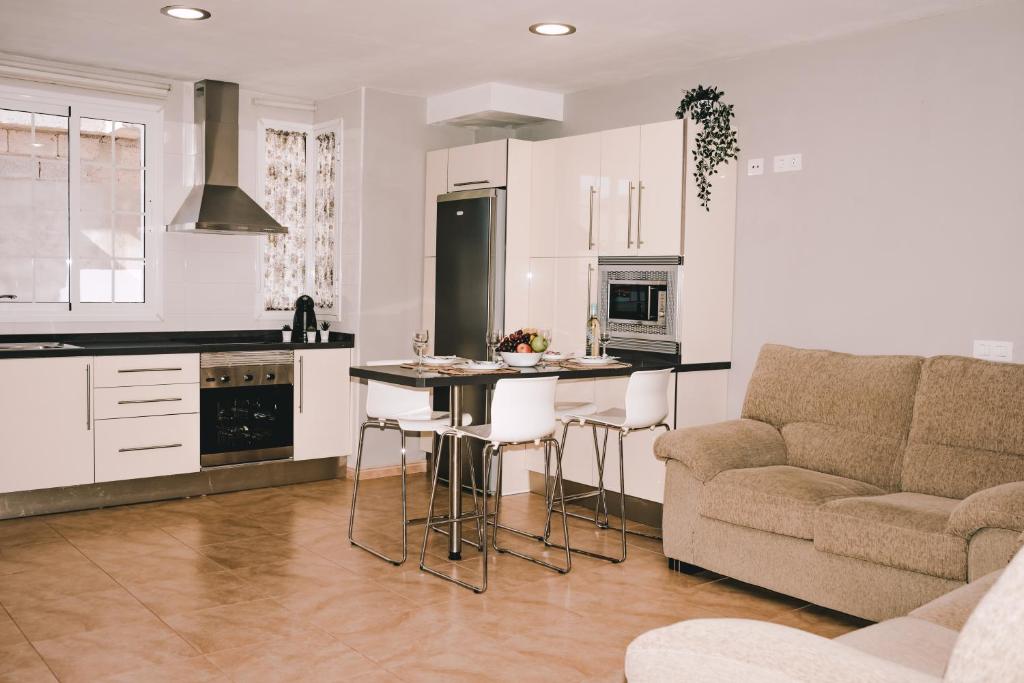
(425, 376)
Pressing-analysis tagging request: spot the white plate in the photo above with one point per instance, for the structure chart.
(482, 365)
(596, 360)
(554, 356)
(439, 360)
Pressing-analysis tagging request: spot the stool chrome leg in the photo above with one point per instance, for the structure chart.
(383, 425)
(497, 515)
(433, 522)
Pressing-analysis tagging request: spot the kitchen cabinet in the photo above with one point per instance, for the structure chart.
(46, 421)
(620, 178)
(323, 425)
(147, 370)
(566, 185)
(473, 167)
(133, 448)
(436, 184)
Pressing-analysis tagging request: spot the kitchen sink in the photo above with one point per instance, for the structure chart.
(35, 346)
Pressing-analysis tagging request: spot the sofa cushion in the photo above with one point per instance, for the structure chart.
(952, 609)
(779, 498)
(968, 427)
(840, 414)
(902, 530)
(914, 643)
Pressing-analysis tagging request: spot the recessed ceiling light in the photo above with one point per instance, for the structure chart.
(552, 29)
(182, 12)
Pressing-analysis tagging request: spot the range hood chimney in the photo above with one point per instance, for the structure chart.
(219, 206)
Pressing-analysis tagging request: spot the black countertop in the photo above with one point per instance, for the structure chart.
(141, 343)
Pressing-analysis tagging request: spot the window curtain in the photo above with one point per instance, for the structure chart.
(284, 198)
(324, 221)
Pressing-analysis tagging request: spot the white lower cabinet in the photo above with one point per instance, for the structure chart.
(45, 423)
(323, 427)
(133, 448)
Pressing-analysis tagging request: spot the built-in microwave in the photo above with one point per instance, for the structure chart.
(637, 301)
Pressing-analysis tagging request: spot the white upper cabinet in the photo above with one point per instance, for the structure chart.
(46, 421)
(620, 178)
(565, 196)
(322, 400)
(477, 166)
(659, 201)
(436, 184)
(642, 190)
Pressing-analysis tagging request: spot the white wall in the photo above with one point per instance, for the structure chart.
(903, 233)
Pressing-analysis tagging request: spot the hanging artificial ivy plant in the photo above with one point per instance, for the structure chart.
(715, 139)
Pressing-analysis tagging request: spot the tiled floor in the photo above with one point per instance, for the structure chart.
(262, 585)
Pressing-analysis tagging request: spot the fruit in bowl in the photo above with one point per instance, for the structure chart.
(523, 348)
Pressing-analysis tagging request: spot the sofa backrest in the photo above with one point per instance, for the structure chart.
(968, 428)
(838, 413)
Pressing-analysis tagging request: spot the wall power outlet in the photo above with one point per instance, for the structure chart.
(786, 163)
(993, 350)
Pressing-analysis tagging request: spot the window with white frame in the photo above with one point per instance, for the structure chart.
(76, 191)
(301, 188)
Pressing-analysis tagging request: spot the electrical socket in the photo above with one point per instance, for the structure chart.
(755, 166)
(784, 163)
(993, 350)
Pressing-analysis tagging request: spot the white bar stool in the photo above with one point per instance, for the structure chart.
(408, 411)
(646, 408)
(522, 412)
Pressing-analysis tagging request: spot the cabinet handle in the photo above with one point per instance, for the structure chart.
(470, 182)
(302, 383)
(629, 217)
(150, 370)
(147, 400)
(12, 297)
(148, 448)
(88, 397)
(590, 219)
(639, 213)
(590, 282)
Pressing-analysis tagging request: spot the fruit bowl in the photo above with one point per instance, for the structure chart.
(521, 360)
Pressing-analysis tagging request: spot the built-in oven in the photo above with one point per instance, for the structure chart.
(245, 407)
(638, 300)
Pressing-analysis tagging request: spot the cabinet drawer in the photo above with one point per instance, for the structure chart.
(132, 371)
(160, 399)
(137, 447)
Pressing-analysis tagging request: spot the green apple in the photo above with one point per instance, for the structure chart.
(539, 344)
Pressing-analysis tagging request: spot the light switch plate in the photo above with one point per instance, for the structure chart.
(993, 350)
(786, 163)
(755, 166)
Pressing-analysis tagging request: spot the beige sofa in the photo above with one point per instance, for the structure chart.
(953, 638)
(867, 484)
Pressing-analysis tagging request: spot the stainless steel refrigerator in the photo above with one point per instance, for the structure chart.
(469, 289)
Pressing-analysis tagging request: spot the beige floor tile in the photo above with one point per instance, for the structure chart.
(192, 670)
(108, 520)
(730, 598)
(20, 662)
(119, 545)
(347, 608)
(93, 654)
(78, 613)
(15, 532)
(206, 531)
(176, 595)
(377, 676)
(10, 634)
(35, 556)
(821, 621)
(290, 576)
(240, 624)
(28, 588)
(255, 550)
(311, 659)
(180, 562)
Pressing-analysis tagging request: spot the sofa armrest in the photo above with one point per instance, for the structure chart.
(710, 449)
(715, 650)
(999, 506)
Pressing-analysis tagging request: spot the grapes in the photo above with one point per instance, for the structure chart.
(509, 343)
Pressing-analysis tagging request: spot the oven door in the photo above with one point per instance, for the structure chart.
(245, 424)
(636, 301)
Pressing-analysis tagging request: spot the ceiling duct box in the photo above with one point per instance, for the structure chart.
(495, 104)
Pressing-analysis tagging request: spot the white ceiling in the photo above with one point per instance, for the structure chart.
(318, 48)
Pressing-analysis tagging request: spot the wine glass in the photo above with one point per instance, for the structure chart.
(494, 338)
(604, 339)
(419, 343)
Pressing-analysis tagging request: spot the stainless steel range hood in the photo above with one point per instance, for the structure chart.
(219, 206)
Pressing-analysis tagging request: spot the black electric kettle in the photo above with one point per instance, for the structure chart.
(304, 319)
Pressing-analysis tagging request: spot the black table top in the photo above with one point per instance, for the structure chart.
(411, 377)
